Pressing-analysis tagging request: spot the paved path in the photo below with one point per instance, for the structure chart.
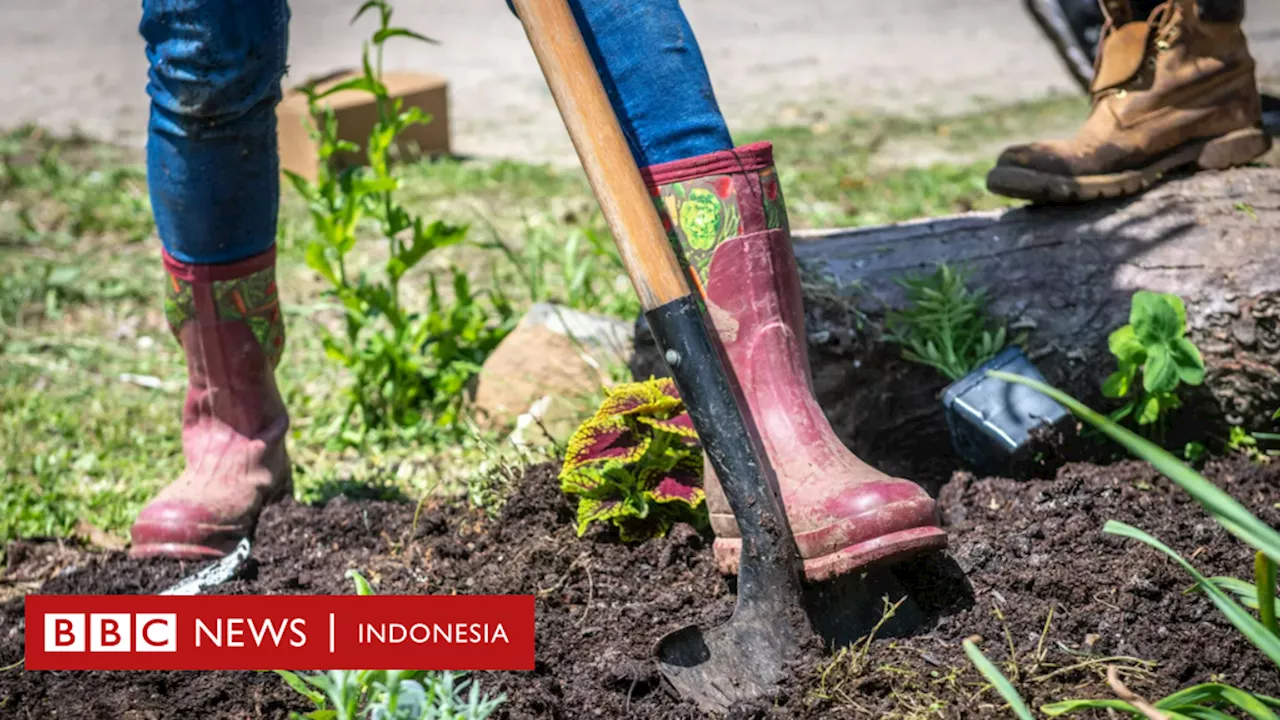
(79, 63)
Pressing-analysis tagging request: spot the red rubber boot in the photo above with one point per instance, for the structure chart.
(725, 213)
(227, 319)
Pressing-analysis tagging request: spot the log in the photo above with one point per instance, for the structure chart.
(1066, 274)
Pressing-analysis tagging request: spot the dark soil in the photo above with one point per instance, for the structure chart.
(1020, 549)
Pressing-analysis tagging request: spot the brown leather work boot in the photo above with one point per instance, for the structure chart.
(1171, 92)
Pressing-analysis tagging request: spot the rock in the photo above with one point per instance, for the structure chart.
(557, 358)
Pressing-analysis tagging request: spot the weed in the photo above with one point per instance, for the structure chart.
(408, 367)
(1155, 344)
(850, 662)
(636, 463)
(945, 324)
(389, 694)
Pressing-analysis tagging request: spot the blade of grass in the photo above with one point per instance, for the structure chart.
(1264, 572)
(1065, 707)
(1246, 593)
(1252, 629)
(1229, 512)
(998, 681)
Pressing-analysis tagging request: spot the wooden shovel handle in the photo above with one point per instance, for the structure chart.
(628, 208)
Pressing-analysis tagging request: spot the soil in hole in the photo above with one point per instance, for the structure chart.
(1019, 550)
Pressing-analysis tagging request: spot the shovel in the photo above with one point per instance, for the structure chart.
(747, 657)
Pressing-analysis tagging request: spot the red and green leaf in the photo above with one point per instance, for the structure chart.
(681, 425)
(591, 510)
(680, 483)
(604, 441)
(653, 398)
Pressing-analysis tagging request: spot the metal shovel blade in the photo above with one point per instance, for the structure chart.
(746, 658)
(742, 660)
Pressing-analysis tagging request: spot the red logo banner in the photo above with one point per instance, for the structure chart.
(267, 632)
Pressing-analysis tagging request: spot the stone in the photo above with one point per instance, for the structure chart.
(556, 363)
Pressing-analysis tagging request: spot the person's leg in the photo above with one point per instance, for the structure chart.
(213, 173)
(727, 219)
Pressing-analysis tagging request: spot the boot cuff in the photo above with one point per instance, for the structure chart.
(747, 158)
(212, 273)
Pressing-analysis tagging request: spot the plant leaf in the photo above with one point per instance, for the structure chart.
(1154, 319)
(1186, 356)
(680, 483)
(1179, 308)
(317, 260)
(1118, 383)
(1159, 374)
(681, 425)
(1148, 410)
(642, 398)
(1064, 707)
(385, 34)
(292, 680)
(592, 510)
(1124, 344)
(362, 586)
(601, 441)
(998, 681)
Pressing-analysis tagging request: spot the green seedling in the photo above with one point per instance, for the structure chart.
(636, 463)
(1154, 343)
(408, 366)
(389, 694)
(945, 324)
(1017, 705)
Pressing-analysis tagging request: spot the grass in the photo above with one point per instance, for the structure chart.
(91, 382)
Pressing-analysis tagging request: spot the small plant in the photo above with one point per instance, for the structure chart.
(1155, 344)
(389, 694)
(945, 324)
(636, 463)
(407, 366)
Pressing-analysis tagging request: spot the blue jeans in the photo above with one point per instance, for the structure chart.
(216, 67)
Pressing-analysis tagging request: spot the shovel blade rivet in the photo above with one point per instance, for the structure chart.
(673, 358)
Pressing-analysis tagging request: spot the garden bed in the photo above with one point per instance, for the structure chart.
(1022, 548)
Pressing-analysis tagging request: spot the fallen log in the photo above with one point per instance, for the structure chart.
(1066, 275)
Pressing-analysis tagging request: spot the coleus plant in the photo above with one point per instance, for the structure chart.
(1155, 343)
(636, 463)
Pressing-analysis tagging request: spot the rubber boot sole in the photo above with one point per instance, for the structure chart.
(893, 547)
(1235, 148)
(200, 541)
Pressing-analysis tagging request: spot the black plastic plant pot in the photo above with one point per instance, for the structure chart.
(993, 422)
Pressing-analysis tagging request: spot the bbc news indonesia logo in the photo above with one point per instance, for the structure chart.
(303, 632)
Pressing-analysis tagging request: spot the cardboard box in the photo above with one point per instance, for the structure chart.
(357, 112)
